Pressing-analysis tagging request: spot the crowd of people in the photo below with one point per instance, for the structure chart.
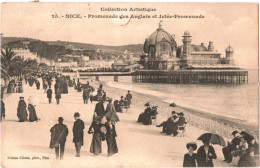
(243, 148)
(102, 128)
(15, 86)
(242, 151)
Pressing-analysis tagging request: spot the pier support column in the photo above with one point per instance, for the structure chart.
(97, 78)
(115, 78)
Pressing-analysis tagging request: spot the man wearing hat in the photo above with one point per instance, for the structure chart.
(166, 124)
(78, 133)
(59, 133)
(128, 98)
(231, 146)
(21, 110)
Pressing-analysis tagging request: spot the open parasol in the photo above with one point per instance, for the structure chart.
(213, 138)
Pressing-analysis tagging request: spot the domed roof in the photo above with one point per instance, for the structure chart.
(158, 36)
(186, 33)
(229, 49)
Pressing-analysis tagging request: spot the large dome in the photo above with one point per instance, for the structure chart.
(159, 36)
(229, 49)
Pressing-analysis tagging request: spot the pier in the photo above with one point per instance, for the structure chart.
(191, 76)
(225, 76)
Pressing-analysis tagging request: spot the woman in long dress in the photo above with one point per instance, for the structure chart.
(32, 113)
(111, 138)
(21, 110)
(96, 146)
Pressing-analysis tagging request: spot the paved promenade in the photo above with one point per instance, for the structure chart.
(139, 145)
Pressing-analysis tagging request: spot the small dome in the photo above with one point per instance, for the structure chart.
(229, 49)
(186, 33)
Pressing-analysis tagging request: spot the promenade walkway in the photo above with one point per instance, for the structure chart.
(139, 145)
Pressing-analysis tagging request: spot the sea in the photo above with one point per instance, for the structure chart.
(238, 101)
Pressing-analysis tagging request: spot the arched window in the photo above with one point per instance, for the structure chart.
(152, 52)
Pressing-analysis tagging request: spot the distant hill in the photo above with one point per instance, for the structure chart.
(86, 46)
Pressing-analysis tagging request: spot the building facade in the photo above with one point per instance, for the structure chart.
(162, 53)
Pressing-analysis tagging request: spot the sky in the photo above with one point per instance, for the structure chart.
(225, 24)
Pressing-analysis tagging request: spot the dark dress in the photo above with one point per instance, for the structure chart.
(78, 134)
(38, 85)
(32, 113)
(2, 109)
(100, 109)
(247, 161)
(143, 115)
(201, 157)
(21, 111)
(111, 140)
(189, 161)
(96, 146)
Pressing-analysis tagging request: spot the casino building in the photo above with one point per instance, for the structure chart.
(162, 53)
(165, 61)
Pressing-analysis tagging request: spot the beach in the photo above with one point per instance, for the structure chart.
(139, 145)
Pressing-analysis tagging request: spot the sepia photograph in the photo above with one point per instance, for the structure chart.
(151, 84)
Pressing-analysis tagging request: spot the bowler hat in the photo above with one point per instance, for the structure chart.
(76, 114)
(128, 90)
(60, 119)
(181, 114)
(191, 144)
(122, 97)
(21, 97)
(235, 132)
(173, 112)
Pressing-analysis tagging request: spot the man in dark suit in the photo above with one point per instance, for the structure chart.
(100, 109)
(58, 96)
(59, 133)
(78, 133)
(231, 147)
(49, 95)
(85, 95)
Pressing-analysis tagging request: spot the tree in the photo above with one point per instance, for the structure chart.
(7, 58)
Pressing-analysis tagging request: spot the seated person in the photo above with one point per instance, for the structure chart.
(231, 146)
(247, 159)
(254, 145)
(168, 123)
(147, 115)
(146, 111)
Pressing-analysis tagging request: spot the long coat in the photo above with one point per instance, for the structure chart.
(201, 157)
(86, 93)
(21, 111)
(78, 134)
(49, 93)
(32, 113)
(128, 98)
(111, 139)
(96, 146)
(59, 133)
(58, 94)
(100, 109)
